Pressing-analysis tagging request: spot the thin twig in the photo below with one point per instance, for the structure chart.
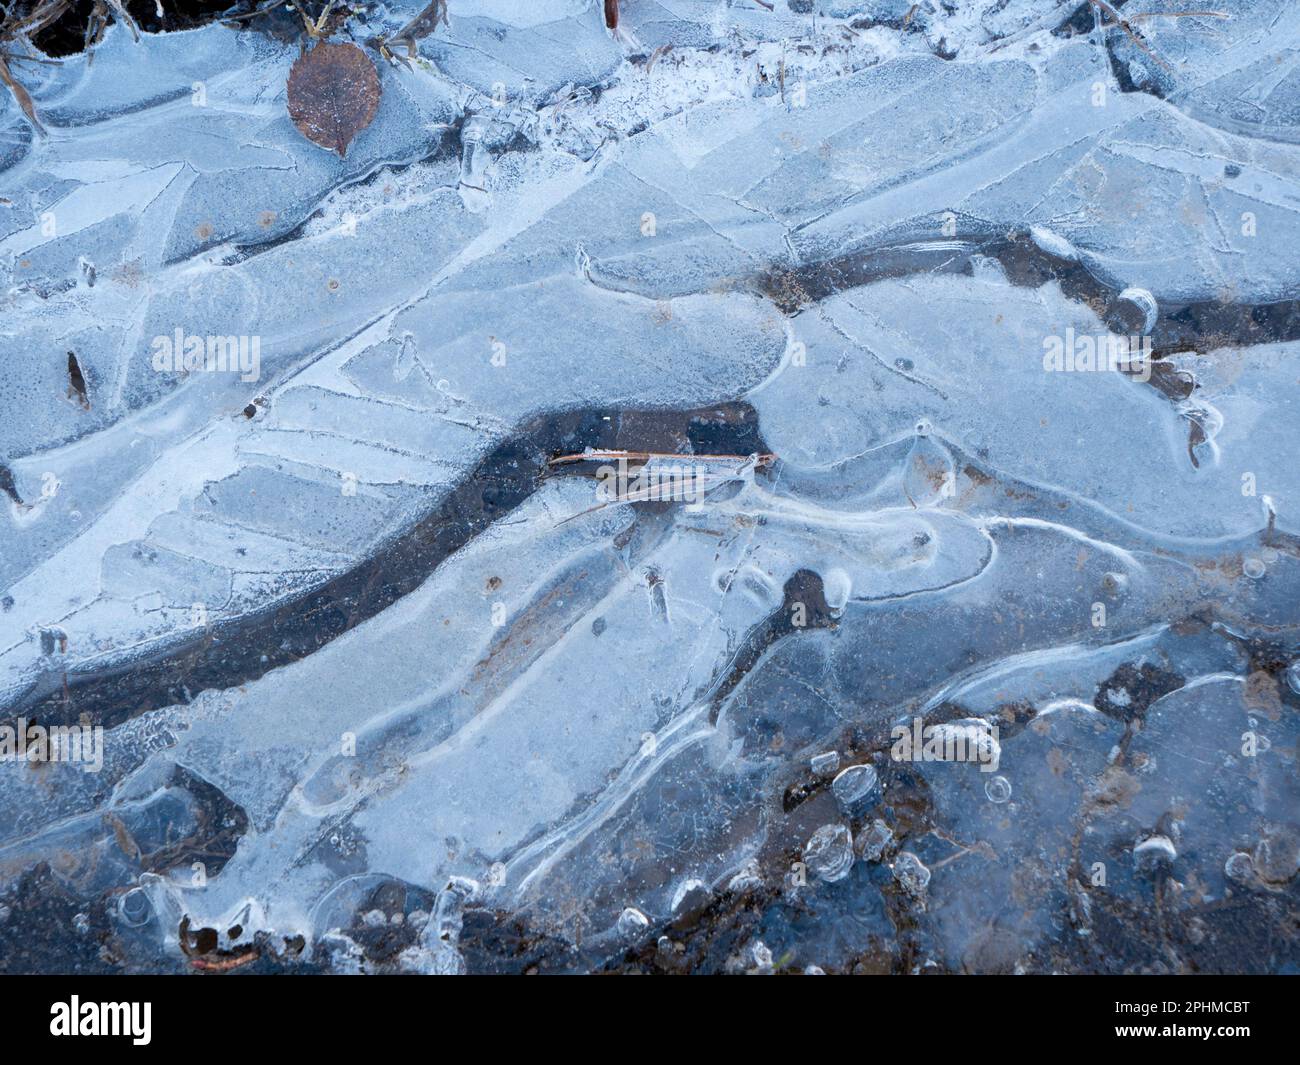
(1104, 7)
(762, 459)
(254, 13)
(1176, 14)
(320, 22)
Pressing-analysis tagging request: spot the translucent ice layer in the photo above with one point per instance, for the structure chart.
(950, 353)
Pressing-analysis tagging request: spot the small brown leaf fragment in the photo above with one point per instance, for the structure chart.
(421, 26)
(611, 14)
(77, 382)
(223, 964)
(333, 94)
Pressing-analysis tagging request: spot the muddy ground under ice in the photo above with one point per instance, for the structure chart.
(796, 486)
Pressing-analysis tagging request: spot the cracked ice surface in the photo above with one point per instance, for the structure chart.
(378, 681)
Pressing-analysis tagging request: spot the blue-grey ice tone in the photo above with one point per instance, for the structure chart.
(861, 224)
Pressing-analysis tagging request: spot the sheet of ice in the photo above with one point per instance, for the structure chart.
(843, 233)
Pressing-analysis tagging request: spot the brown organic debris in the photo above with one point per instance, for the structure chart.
(418, 28)
(77, 389)
(1112, 18)
(20, 94)
(605, 455)
(224, 964)
(333, 94)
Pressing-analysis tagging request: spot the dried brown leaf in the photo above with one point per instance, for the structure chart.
(611, 14)
(333, 94)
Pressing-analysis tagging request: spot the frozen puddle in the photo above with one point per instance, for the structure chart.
(801, 485)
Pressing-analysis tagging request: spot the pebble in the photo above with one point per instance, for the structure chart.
(1239, 867)
(911, 873)
(829, 854)
(632, 922)
(823, 765)
(135, 907)
(856, 788)
(690, 895)
(1293, 676)
(998, 789)
(1277, 857)
(1154, 853)
(872, 842)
